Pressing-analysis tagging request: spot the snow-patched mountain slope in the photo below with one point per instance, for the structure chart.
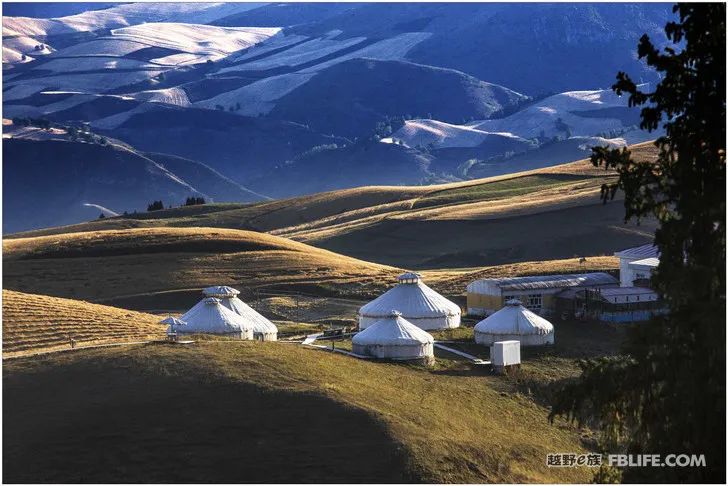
(122, 16)
(23, 49)
(205, 40)
(574, 113)
(435, 133)
(299, 61)
(353, 96)
(113, 61)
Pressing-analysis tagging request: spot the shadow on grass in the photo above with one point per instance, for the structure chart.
(102, 420)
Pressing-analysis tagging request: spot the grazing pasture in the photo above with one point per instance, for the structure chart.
(227, 411)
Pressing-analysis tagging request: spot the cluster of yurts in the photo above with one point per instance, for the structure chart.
(392, 326)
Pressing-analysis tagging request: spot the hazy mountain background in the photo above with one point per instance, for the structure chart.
(117, 105)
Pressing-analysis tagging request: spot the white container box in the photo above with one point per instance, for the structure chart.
(504, 354)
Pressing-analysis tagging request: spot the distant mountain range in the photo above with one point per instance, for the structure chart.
(243, 101)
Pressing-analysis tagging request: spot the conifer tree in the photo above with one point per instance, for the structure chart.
(666, 394)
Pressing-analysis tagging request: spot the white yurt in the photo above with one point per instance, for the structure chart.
(514, 323)
(209, 316)
(393, 337)
(417, 302)
(173, 325)
(263, 329)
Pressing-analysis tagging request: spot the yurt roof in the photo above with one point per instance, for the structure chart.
(513, 318)
(259, 322)
(173, 321)
(220, 291)
(413, 300)
(392, 330)
(209, 315)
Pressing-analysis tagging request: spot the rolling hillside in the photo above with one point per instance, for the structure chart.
(54, 178)
(371, 423)
(34, 323)
(357, 94)
(465, 224)
(296, 94)
(168, 266)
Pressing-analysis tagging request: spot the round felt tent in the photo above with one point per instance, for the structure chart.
(263, 329)
(173, 324)
(417, 302)
(209, 316)
(393, 337)
(514, 322)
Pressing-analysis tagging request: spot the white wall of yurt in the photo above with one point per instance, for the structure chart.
(263, 329)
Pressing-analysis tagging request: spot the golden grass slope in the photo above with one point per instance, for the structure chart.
(33, 323)
(453, 427)
(106, 265)
(300, 217)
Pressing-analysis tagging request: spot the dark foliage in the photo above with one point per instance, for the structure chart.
(155, 206)
(194, 201)
(667, 394)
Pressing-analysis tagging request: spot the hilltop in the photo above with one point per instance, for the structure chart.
(34, 323)
(291, 408)
(372, 90)
(167, 267)
(99, 173)
(464, 224)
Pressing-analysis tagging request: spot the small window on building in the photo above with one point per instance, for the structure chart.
(534, 301)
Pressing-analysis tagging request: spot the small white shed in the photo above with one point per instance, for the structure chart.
(637, 264)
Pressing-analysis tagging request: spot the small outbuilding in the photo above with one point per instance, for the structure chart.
(263, 329)
(637, 264)
(417, 303)
(393, 337)
(209, 316)
(514, 323)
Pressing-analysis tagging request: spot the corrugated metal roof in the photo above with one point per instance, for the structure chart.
(639, 252)
(619, 291)
(646, 262)
(553, 281)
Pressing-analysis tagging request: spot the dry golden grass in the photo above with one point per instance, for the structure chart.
(293, 216)
(465, 427)
(34, 323)
(106, 265)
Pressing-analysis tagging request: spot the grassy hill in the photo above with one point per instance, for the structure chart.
(543, 214)
(300, 415)
(163, 269)
(34, 323)
(125, 267)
